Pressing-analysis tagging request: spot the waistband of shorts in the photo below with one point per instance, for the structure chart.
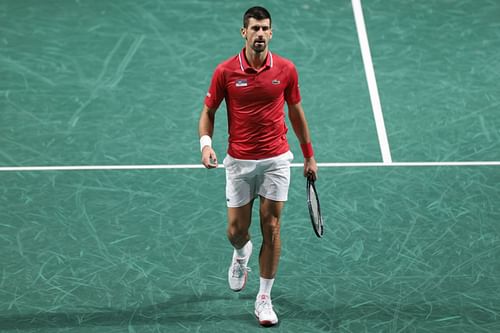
(264, 159)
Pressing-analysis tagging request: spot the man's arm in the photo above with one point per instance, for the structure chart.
(299, 124)
(206, 130)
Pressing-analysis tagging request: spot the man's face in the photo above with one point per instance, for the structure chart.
(258, 33)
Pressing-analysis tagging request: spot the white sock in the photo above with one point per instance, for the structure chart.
(265, 287)
(244, 251)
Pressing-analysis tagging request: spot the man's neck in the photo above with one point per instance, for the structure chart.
(256, 59)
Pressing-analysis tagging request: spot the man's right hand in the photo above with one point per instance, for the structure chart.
(208, 158)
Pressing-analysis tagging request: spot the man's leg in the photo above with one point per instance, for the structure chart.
(239, 220)
(270, 214)
(238, 223)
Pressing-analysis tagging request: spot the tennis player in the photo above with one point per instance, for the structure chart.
(255, 85)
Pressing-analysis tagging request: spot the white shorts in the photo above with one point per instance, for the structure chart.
(247, 179)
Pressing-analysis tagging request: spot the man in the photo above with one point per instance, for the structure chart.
(256, 84)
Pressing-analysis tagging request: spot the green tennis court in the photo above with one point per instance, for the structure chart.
(411, 245)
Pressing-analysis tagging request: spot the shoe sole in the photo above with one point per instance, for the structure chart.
(265, 323)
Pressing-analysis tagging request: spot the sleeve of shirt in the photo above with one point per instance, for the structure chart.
(292, 92)
(216, 91)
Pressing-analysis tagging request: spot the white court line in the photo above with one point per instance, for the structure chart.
(372, 82)
(199, 166)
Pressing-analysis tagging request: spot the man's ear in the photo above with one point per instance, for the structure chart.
(243, 32)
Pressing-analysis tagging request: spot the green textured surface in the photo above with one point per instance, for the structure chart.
(92, 82)
(437, 69)
(112, 251)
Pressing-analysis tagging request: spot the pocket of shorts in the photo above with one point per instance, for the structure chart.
(227, 161)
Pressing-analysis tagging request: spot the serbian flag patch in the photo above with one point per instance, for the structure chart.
(241, 83)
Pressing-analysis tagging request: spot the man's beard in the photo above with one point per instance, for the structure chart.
(259, 47)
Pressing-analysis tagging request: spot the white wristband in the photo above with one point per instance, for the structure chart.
(205, 140)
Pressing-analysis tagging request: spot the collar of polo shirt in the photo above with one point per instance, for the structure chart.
(245, 67)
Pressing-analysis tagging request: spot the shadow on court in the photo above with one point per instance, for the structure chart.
(190, 309)
(181, 309)
(383, 317)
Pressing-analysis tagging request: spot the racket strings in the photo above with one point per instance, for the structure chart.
(314, 206)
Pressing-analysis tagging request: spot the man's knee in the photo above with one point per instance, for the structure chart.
(270, 215)
(238, 224)
(236, 231)
(270, 225)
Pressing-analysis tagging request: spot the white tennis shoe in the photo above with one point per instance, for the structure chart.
(264, 311)
(238, 271)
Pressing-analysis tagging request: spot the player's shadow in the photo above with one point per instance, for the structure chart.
(211, 309)
(178, 309)
(333, 318)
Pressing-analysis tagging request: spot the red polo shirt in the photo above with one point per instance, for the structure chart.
(255, 102)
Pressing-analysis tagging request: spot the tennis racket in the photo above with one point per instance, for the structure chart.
(314, 208)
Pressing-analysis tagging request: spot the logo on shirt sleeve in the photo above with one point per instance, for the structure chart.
(275, 82)
(241, 83)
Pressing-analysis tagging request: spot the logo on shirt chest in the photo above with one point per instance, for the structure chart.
(241, 83)
(275, 82)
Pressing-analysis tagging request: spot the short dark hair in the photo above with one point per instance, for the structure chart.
(258, 13)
